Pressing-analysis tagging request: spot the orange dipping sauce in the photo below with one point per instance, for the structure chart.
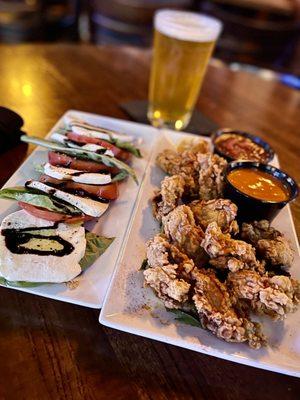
(258, 184)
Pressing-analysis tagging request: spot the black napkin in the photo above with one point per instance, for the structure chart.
(10, 129)
(200, 124)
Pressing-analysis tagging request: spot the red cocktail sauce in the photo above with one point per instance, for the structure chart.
(240, 147)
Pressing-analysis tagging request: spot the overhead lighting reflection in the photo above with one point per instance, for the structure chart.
(27, 89)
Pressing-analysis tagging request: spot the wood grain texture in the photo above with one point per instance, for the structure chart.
(51, 350)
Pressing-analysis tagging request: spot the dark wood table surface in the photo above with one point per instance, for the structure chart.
(54, 350)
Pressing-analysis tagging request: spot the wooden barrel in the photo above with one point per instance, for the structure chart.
(127, 21)
(249, 36)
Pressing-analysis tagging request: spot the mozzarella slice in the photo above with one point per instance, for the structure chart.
(59, 138)
(76, 175)
(41, 268)
(95, 147)
(83, 128)
(87, 206)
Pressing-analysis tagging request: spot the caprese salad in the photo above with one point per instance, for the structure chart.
(45, 241)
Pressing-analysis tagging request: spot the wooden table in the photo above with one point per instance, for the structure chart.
(52, 350)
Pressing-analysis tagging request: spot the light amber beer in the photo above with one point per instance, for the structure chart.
(183, 44)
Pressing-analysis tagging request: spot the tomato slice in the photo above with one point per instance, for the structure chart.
(109, 191)
(42, 213)
(63, 160)
(118, 153)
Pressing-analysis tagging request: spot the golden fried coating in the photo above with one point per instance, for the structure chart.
(169, 272)
(226, 252)
(203, 172)
(217, 314)
(195, 145)
(184, 164)
(270, 244)
(221, 211)
(256, 230)
(165, 200)
(275, 296)
(180, 227)
(211, 175)
(276, 252)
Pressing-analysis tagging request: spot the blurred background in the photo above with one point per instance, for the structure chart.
(257, 33)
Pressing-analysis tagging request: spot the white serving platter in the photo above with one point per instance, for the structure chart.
(130, 307)
(94, 281)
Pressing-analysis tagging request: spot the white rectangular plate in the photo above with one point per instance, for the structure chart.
(130, 307)
(94, 282)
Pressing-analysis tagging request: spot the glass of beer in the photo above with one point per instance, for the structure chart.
(183, 44)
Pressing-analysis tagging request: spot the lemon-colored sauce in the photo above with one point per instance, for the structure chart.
(258, 184)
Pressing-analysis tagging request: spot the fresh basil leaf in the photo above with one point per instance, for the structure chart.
(144, 265)
(30, 196)
(185, 318)
(120, 176)
(127, 146)
(23, 284)
(81, 153)
(95, 247)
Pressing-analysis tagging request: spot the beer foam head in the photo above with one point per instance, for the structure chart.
(184, 25)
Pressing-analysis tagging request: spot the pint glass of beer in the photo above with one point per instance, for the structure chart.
(183, 44)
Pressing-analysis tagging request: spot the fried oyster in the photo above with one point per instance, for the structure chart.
(225, 252)
(270, 244)
(168, 272)
(216, 312)
(211, 176)
(168, 197)
(274, 296)
(203, 172)
(184, 164)
(257, 230)
(221, 211)
(181, 229)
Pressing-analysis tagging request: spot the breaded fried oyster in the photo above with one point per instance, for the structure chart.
(221, 211)
(217, 314)
(256, 230)
(169, 272)
(211, 176)
(203, 172)
(180, 227)
(168, 197)
(225, 252)
(270, 244)
(275, 296)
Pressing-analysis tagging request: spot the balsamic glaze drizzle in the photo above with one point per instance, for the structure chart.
(15, 238)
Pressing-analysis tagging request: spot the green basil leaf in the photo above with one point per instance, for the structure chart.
(81, 153)
(120, 176)
(185, 318)
(36, 199)
(128, 146)
(24, 284)
(95, 247)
